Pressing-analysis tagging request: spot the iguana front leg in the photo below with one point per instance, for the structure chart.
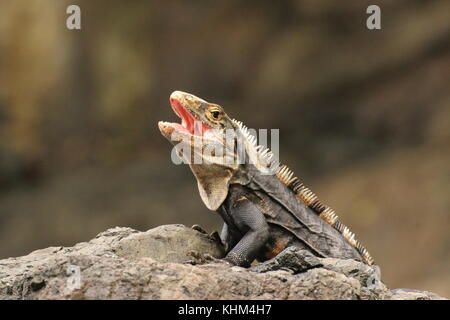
(228, 238)
(251, 222)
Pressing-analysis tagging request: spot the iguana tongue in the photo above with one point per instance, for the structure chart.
(188, 121)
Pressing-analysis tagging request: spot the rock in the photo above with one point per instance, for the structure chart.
(168, 243)
(122, 263)
(410, 294)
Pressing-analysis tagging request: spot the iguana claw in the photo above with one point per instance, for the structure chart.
(213, 235)
(216, 237)
(204, 258)
(196, 227)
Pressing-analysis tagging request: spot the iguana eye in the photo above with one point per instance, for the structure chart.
(215, 114)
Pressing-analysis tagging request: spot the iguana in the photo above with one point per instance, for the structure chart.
(265, 208)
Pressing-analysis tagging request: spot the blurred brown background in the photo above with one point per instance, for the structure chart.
(364, 116)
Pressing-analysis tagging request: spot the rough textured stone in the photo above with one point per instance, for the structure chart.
(122, 263)
(409, 294)
(168, 243)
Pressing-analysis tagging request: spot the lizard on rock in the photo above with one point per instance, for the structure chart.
(265, 208)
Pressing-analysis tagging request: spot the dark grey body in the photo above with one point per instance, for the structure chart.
(262, 221)
(265, 208)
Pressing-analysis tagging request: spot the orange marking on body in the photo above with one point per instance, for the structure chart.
(278, 246)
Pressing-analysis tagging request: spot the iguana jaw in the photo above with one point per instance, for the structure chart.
(188, 108)
(198, 136)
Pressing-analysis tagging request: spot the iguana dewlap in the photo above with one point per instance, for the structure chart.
(265, 208)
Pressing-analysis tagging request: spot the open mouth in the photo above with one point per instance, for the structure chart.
(189, 123)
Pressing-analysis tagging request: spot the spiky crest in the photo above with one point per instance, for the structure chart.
(287, 177)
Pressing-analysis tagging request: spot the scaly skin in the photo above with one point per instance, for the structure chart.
(263, 213)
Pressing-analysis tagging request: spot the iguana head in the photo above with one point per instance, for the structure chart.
(195, 111)
(200, 141)
(219, 150)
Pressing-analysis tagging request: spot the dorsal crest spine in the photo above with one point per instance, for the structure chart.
(287, 177)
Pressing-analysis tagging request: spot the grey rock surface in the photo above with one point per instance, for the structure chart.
(122, 263)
